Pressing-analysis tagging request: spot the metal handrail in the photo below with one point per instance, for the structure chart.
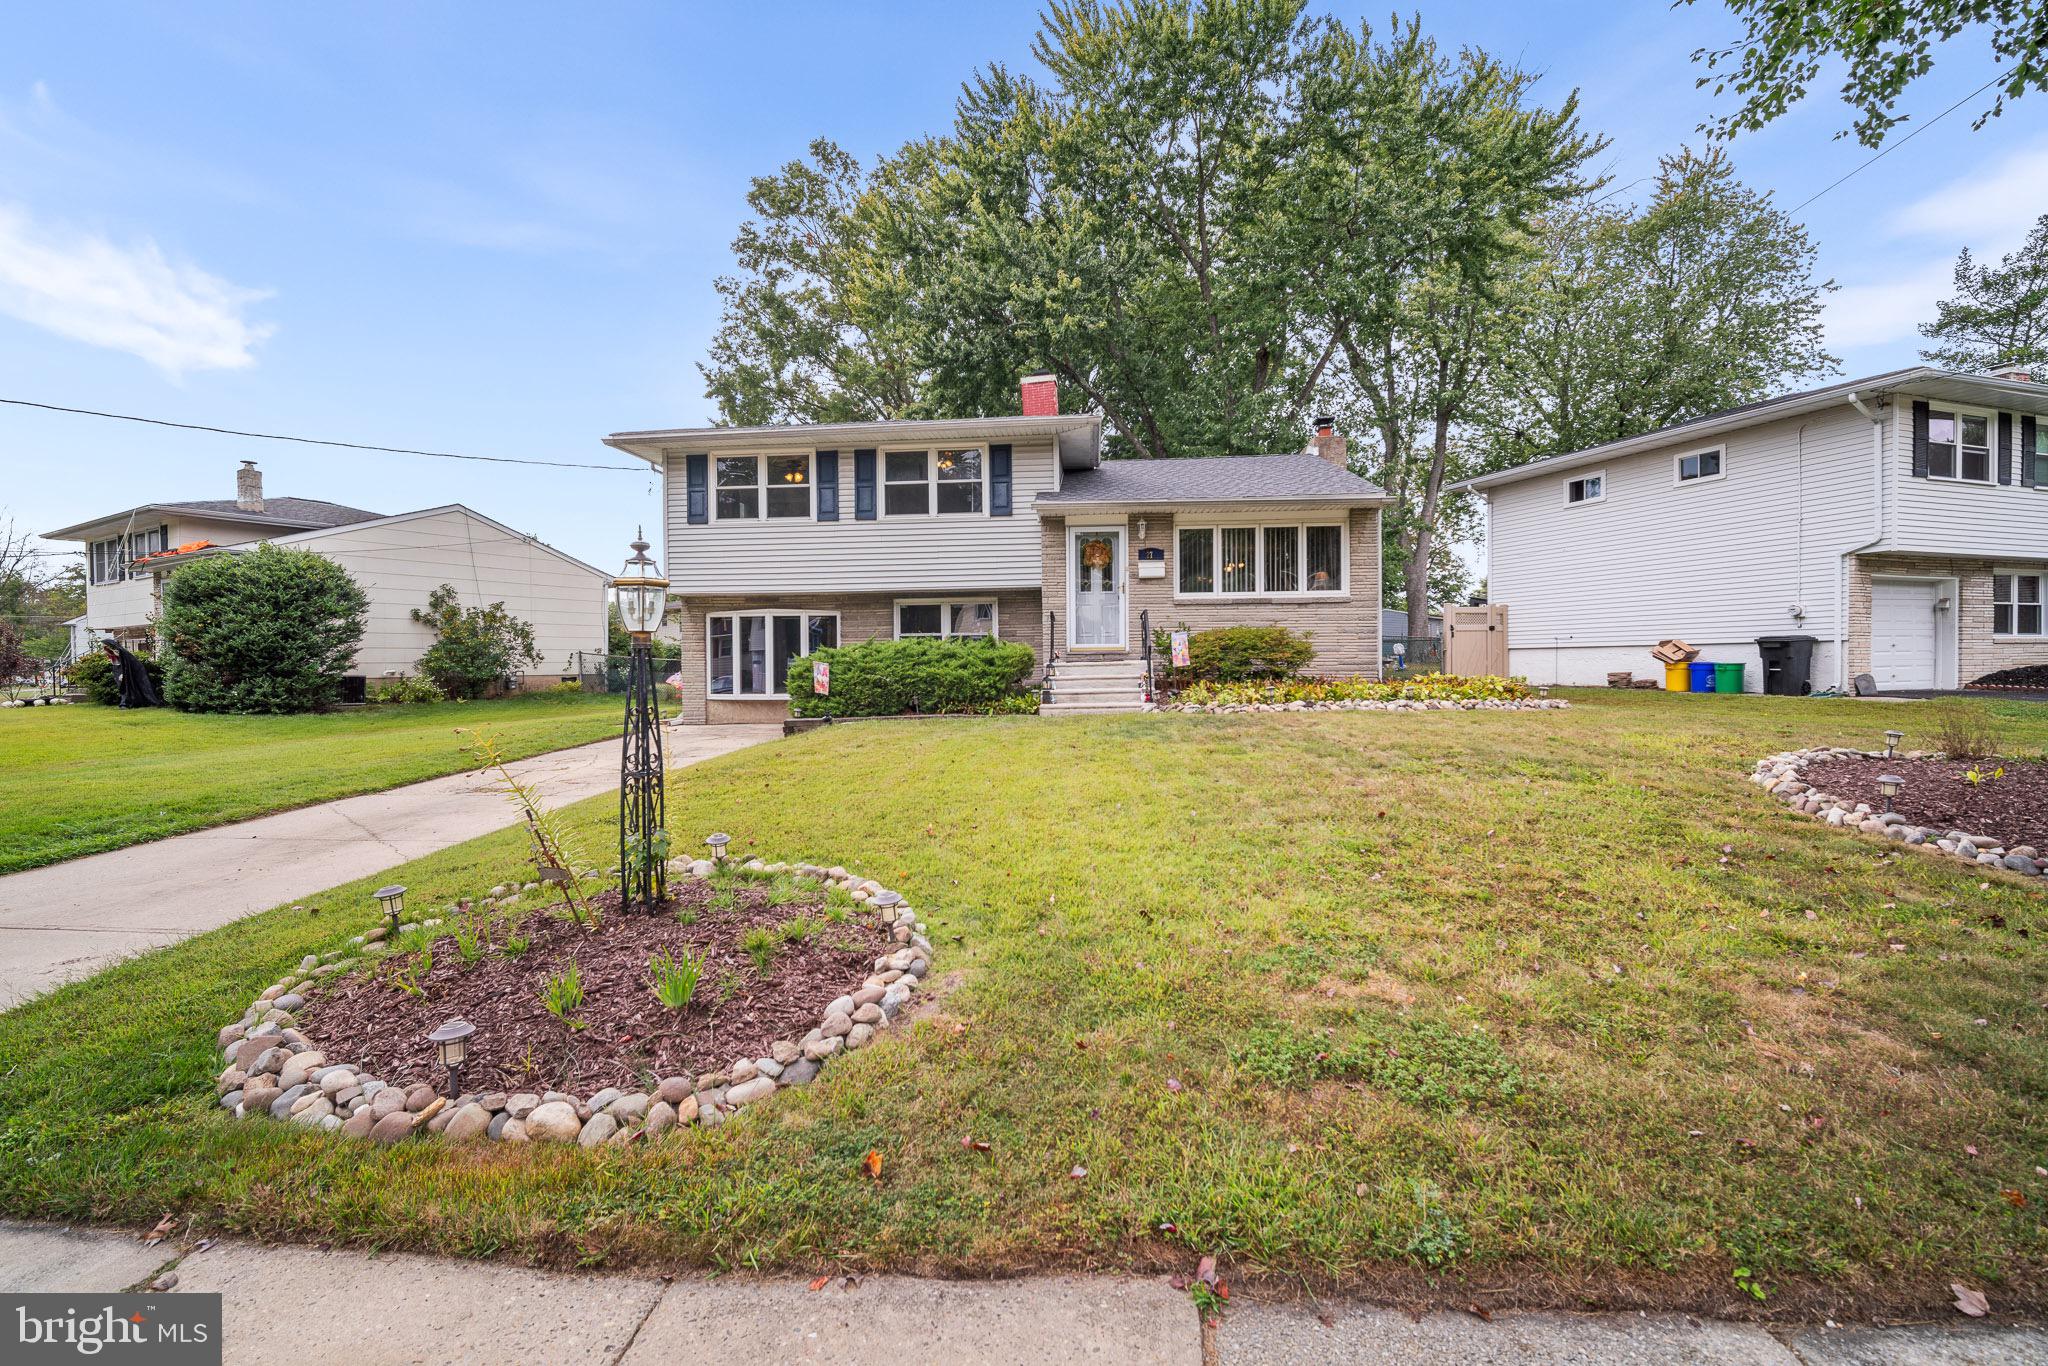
(1145, 634)
(1052, 637)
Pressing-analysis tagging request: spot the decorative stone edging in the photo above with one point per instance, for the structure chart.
(1781, 774)
(1428, 704)
(275, 1070)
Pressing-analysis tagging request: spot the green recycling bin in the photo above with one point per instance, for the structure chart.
(1728, 677)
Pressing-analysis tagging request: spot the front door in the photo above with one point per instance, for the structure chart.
(1095, 566)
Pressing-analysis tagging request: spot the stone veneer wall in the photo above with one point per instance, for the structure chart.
(862, 616)
(1977, 653)
(1345, 629)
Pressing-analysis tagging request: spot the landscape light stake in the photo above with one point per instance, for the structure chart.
(392, 899)
(1891, 743)
(1889, 784)
(451, 1046)
(718, 843)
(643, 852)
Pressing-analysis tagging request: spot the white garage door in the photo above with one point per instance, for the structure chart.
(1902, 637)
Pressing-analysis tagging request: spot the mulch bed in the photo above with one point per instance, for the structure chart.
(737, 1011)
(2033, 676)
(1936, 794)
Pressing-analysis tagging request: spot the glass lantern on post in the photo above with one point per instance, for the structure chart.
(643, 837)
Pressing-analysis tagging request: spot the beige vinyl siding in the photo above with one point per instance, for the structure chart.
(1953, 517)
(1716, 562)
(890, 554)
(398, 561)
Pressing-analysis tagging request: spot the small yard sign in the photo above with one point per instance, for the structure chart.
(821, 678)
(1180, 649)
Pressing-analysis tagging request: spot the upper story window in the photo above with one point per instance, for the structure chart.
(749, 485)
(107, 563)
(2016, 601)
(2037, 458)
(109, 559)
(1699, 465)
(1219, 561)
(948, 482)
(1586, 488)
(1959, 446)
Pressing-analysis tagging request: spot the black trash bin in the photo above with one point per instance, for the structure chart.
(1788, 664)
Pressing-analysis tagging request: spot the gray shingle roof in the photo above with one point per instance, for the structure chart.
(1294, 478)
(309, 512)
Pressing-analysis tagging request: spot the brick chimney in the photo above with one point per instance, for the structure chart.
(2016, 376)
(1329, 442)
(1041, 396)
(249, 487)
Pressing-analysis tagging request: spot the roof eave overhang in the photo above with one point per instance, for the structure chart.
(1077, 435)
(79, 531)
(1062, 507)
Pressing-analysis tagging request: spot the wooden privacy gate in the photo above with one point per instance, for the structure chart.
(1476, 640)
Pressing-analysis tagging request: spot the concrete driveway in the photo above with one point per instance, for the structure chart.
(71, 919)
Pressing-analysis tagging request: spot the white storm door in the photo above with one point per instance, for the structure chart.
(1095, 566)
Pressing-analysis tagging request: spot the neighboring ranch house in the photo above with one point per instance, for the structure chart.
(397, 561)
(1902, 520)
(784, 539)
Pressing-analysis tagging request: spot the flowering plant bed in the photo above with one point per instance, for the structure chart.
(1999, 819)
(764, 971)
(1430, 692)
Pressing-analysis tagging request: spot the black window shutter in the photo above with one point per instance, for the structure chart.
(2005, 448)
(998, 481)
(864, 486)
(826, 465)
(2027, 457)
(698, 507)
(1919, 438)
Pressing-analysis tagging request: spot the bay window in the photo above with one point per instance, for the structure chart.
(749, 485)
(2016, 601)
(1225, 561)
(945, 619)
(747, 654)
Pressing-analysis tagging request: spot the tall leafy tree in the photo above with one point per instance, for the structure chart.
(1632, 318)
(814, 323)
(1998, 318)
(1886, 45)
(1415, 192)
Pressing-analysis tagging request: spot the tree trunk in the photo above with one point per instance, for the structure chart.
(1425, 529)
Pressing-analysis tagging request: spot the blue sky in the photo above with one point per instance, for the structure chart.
(494, 229)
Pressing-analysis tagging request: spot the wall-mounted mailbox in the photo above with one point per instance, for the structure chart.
(1151, 562)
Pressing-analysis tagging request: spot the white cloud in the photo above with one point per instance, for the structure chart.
(1887, 310)
(1962, 210)
(126, 298)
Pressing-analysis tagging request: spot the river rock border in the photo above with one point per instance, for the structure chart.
(1402, 704)
(1783, 775)
(275, 1071)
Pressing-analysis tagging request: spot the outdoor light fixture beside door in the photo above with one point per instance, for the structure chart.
(1891, 743)
(1889, 784)
(451, 1046)
(392, 899)
(643, 834)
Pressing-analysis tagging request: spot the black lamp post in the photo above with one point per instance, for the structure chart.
(451, 1045)
(392, 899)
(643, 857)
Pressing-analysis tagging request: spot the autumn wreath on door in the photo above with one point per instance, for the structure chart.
(1095, 554)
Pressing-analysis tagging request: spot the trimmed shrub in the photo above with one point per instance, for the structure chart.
(272, 630)
(1235, 654)
(93, 674)
(475, 648)
(1423, 688)
(407, 689)
(890, 677)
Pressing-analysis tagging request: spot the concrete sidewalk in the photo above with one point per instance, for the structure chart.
(71, 919)
(402, 1308)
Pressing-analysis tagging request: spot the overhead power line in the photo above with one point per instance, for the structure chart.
(319, 441)
(1889, 147)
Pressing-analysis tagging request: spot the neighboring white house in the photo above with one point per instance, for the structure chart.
(1901, 519)
(397, 561)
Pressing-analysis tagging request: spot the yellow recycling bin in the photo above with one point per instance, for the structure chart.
(1676, 678)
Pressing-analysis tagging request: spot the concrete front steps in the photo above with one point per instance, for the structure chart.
(1081, 686)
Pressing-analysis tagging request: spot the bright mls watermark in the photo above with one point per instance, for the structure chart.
(167, 1330)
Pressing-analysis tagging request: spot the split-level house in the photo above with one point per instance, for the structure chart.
(1900, 521)
(781, 540)
(396, 560)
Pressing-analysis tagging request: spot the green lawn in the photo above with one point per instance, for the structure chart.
(1466, 1008)
(82, 779)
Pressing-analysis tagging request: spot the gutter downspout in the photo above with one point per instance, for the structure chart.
(1877, 419)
